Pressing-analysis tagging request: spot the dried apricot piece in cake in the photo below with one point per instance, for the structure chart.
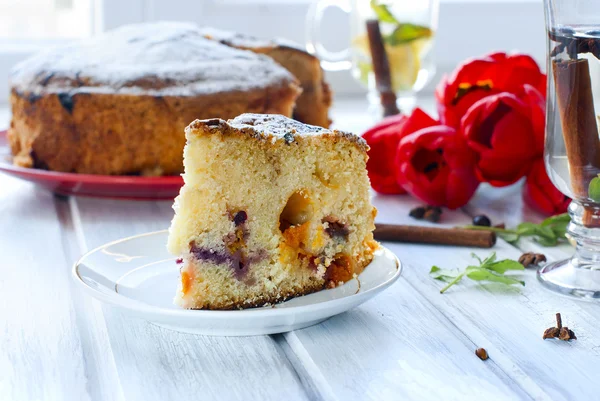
(271, 209)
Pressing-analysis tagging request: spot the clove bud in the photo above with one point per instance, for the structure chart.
(561, 332)
(531, 259)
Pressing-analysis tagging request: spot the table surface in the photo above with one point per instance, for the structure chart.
(409, 343)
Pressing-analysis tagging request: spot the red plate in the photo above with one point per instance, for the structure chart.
(111, 186)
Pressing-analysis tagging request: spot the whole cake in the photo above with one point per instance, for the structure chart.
(271, 209)
(118, 103)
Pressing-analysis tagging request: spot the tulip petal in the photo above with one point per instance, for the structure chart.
(540, 193)
(435, 165)
(504, 73)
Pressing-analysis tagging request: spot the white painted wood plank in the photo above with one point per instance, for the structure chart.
(103, 379)
(159, 364)
(398, 346)
(509, 320)
(41, 352)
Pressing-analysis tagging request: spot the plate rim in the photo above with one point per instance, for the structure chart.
(115, 298)
(87, 178)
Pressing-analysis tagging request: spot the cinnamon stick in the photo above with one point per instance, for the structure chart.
(434, 235)
(578, 121)
(575, 104)
(381, 69)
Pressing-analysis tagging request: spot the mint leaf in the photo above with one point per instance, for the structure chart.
(407, 32)
(558, 224)
(563, 218)
(489, 269)
(480, 274)
(487, 261)
(504, 265)
(443, 274)
(546, 241)
(594, 189)
(383, 13)
(511, 238)
(549, 232)
(478, 258)
(527, 228)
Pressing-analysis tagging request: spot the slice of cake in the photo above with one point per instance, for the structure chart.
(271, 209)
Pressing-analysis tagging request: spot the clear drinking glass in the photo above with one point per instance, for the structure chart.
(407, 28)
(572, 152)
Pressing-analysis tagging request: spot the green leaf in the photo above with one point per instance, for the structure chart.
(545, 232)
(489, 270)
(527, 228)
(477, 257)
(406, 32)
(563, 218)
(383, 13)
(480, 274)
(594, 189)
(548, 233)
(558, 224)
(511, 238)
(542, 234)
(488, 261)
(546, 241)
(504, 265)
(560, 230)
(443, 274)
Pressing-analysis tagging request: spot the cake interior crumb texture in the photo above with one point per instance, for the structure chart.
(271, 209)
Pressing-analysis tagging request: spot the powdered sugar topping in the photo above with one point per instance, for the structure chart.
(164, 58)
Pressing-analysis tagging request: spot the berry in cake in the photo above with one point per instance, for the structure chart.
(271, 209)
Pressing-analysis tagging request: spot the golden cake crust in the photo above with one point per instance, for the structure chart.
(118, 103)
(270, 127)
(312, 106)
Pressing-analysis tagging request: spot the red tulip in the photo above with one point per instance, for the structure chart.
(436, 165)
(481, 77)
(386, 122)
(507, 133)
(540, 194)
(383, 141)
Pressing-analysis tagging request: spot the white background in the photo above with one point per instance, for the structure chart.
(467, 28)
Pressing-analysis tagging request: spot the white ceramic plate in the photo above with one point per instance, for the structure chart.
(140, 276)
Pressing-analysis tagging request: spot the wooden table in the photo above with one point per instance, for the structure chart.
(409, 343)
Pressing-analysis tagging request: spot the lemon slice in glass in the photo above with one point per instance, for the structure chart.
(404, 65)
(404, 60)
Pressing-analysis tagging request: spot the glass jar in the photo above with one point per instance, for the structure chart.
(572, 152)
(407, 29)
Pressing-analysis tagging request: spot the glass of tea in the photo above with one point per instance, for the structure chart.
(572, 152)
(407, 29)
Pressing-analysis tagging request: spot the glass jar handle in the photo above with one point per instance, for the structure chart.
(330, 61)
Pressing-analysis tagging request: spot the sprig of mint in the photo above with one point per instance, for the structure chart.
(489, 269)
(549, 232)
(383, 13)
(407, 32)
(404, 32)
